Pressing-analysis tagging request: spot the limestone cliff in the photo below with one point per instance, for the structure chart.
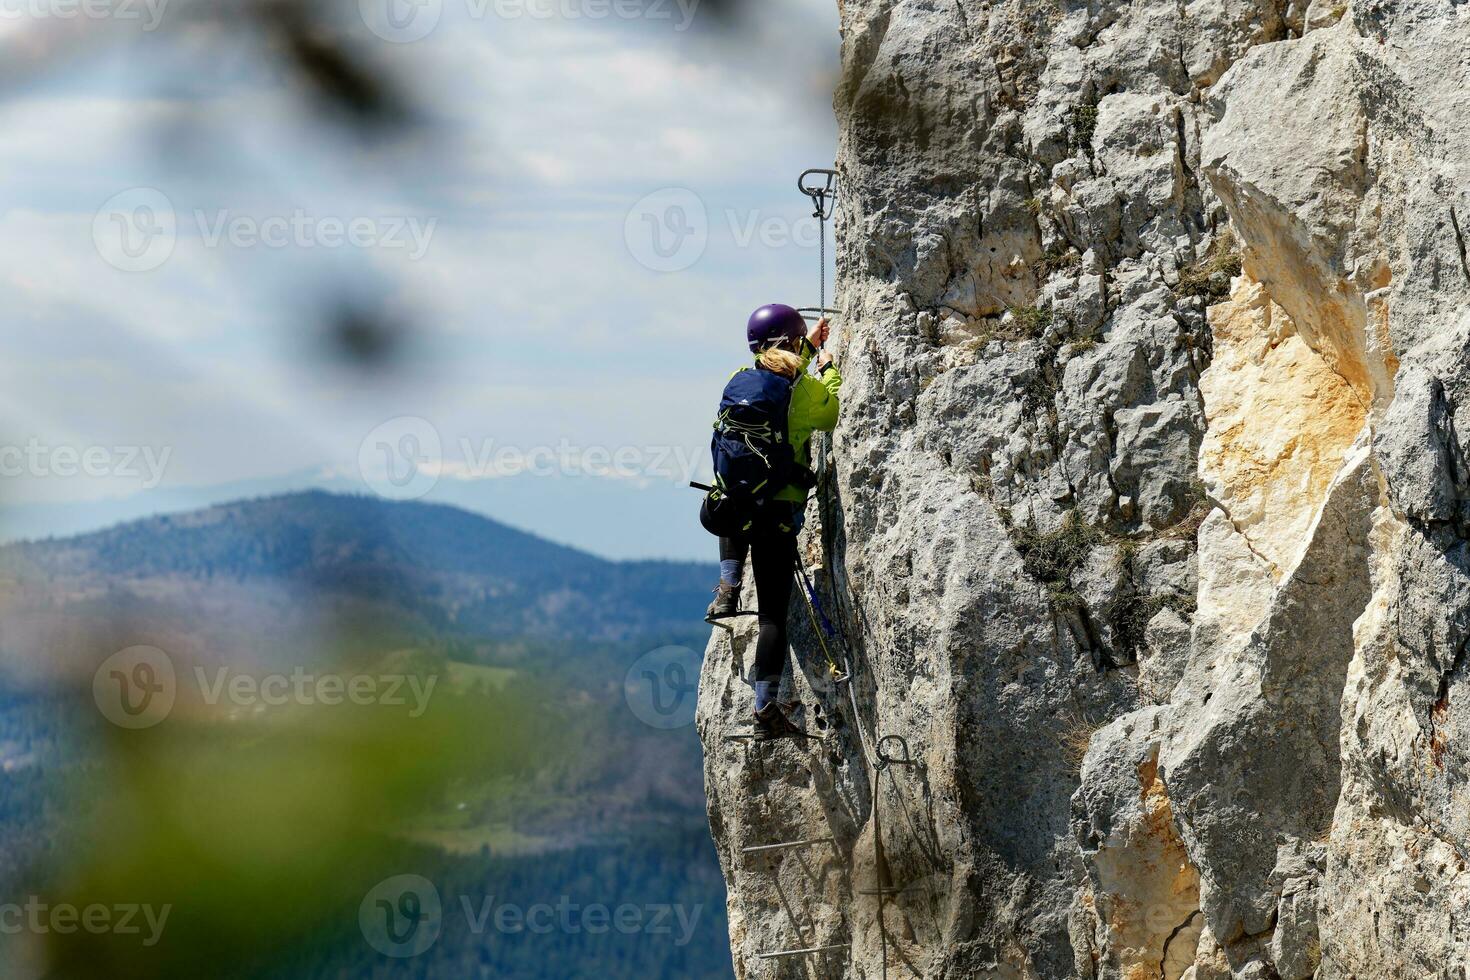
(1145, 522)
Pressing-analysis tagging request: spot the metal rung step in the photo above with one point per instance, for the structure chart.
(782, 954)
(724, 621)
(766, 848)
(750, 736)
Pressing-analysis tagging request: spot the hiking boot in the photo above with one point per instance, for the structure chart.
(771, 723)
(726, 604)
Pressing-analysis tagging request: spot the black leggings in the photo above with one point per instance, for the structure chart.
(773, 560)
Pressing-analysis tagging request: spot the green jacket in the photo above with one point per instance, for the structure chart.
(813, 409)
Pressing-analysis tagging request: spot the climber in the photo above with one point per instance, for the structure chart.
(762, 477)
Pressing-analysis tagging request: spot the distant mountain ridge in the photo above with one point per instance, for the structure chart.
(608, 517)
(444, 568)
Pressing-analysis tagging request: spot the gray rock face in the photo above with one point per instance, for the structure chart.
(1145, 523)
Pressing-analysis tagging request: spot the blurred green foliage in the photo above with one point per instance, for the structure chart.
(255, 833)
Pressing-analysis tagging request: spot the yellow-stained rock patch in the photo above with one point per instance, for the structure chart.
(1279, 420)
(1150, 890)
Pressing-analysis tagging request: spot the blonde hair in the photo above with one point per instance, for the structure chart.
(782, 361)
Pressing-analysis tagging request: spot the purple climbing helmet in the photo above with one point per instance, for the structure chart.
(773, 322)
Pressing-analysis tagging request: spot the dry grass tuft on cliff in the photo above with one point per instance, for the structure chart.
(1053, 556)
(1210, 277)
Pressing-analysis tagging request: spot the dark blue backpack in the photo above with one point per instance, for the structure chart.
(752, 455)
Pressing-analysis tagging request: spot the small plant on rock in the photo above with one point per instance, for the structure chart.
(1075, 738)
(1131, 612)
(1199, 509)
(1210, 276)
(1058, 258)
(1054, 556)
(1084, 125)
(1030, 321)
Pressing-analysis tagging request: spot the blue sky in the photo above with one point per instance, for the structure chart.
(556, 335)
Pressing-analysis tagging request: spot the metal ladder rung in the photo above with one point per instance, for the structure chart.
(726, 622)
(750, 737)
(810, 842)
(782, 954)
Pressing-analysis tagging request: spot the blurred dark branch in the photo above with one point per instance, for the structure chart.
(324, 48)
(342, 76)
